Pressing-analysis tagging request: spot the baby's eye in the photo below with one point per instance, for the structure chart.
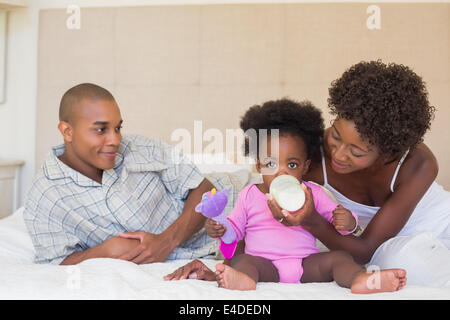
(292, 165)
(271, 164)
(100, 130)
(118, 129)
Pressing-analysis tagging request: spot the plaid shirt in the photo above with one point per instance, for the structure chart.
(66, 211)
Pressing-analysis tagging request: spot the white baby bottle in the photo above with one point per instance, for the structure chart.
(287, 192)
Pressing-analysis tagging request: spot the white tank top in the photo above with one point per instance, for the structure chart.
(432, 213)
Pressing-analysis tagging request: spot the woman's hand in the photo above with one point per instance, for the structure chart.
(277, 212)
(302, 216)
(193, 270)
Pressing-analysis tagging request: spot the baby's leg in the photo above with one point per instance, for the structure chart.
(340, 267)
(245, 271)
(329, 266)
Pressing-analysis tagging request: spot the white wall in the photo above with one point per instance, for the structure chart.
(17, 113)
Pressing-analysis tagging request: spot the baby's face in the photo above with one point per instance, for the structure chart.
(291, 159)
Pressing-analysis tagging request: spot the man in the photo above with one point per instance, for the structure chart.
(97, 187)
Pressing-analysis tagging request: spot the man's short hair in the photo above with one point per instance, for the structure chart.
(74, 95)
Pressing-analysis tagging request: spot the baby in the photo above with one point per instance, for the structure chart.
(275, 252)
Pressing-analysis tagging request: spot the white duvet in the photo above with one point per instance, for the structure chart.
(20, 278)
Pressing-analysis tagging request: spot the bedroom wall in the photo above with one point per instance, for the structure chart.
(171, 65)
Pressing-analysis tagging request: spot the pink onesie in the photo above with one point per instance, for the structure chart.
(270, 239)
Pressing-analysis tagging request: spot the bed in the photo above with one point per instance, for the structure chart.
(103, 278)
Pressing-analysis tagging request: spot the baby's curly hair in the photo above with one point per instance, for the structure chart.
(301, 119)
(387, 102)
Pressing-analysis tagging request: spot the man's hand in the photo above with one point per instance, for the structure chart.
(151, 247)
(193, 270)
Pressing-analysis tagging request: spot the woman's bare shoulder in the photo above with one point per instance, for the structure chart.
(419, 164)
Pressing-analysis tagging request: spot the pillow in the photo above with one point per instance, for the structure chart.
(15, 242)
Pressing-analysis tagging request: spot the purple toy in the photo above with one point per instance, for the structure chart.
(212, 206)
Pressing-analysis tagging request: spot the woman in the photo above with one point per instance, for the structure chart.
(375, 163)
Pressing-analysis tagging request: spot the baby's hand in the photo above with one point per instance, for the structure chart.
(214, 229)
(343, 219)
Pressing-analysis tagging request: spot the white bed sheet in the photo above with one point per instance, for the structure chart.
(20, 278)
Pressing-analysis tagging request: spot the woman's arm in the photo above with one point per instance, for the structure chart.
(414, 178)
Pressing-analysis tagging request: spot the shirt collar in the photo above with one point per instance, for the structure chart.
(138, 161)
(129, 155)
(55, 169)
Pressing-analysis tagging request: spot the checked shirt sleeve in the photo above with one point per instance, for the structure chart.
(50, 225)
(181, 174)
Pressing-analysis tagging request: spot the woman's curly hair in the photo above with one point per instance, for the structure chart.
(301, 119)
(387, 102)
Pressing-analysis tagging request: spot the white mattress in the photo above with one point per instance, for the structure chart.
(20, 278)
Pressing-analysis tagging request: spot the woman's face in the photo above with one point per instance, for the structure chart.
(348, 151)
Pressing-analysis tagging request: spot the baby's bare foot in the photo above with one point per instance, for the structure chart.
(380, 281)
(230, 278)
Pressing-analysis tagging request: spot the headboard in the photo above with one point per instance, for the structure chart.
(168, 66)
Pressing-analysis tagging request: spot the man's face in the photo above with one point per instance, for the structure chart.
(96, 135)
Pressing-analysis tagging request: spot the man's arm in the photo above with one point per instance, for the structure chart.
(79, 256)
(112, 248)
(158, 247)
(190, 221)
